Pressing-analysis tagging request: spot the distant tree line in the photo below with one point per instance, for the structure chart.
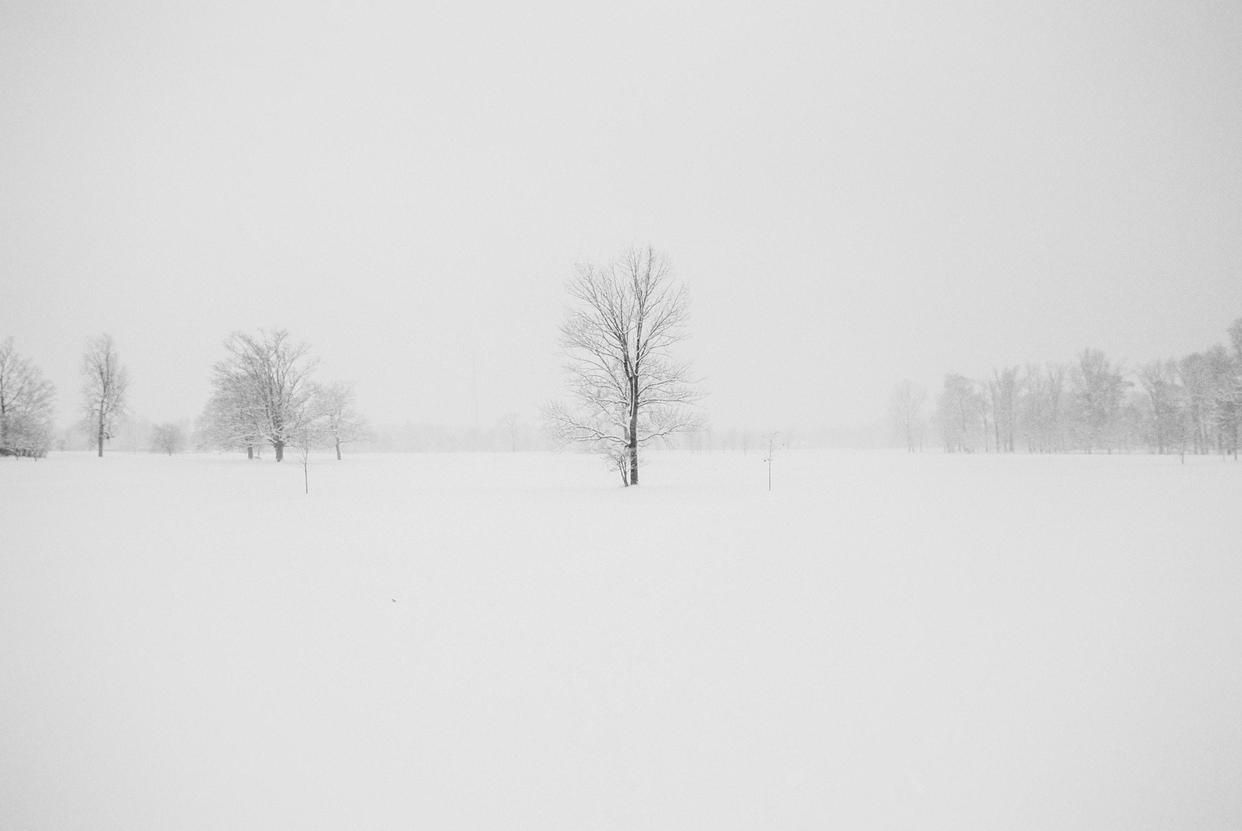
(262, 395)
(1187, 405)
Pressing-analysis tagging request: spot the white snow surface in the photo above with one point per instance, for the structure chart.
(515, 641)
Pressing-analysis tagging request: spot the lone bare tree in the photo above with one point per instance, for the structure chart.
(262, 391)
(309, 434)
(628, 389)
(25, 405)
(104, 384)
(906, 407)
(167, 438)
(511, 425)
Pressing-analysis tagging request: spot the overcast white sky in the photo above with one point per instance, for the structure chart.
(854, 192)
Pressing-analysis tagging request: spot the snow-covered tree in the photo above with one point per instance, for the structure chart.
(1099, 390)
(628, 390)
(104, 386)
(228, 421)
(1042, 408)
(958, 410)
(1003, 396)
(167, 438)
(261, 393)
(333, 407)
(1235, 338)
(1195, 375)
(1225, 373)
(1165, 405)
(25, 405)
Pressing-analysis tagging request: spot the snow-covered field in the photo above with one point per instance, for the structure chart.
(514, 641)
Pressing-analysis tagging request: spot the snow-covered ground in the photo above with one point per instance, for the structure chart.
(515, 641)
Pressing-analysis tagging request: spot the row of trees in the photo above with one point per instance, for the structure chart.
(627, 391)
(1182, 405)
(262, 394)
(27, 398)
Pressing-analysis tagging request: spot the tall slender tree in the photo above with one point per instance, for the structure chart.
(1003, 390)
(906, 407)
(105, 384)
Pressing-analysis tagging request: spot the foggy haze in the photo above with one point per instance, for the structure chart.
(1009, 234)
(853, 193)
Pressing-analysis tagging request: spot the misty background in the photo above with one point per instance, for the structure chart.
(853, 193)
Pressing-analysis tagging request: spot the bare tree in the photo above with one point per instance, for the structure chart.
(339, 421)
(25, 405)
(1235, 338)
(906, 406)
(1003, 390)
(771, 457)
(958, 409)
(511, 424)
(628, 389)
(1159, 381)
(1099, 388)
(104, 385)
(167, 438)
(262, 391)
(1042, 407)
(306, 436)
(1194, 372)
(1226, 383)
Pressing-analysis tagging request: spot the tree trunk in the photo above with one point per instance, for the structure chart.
(250, 451)
(280, 451)
(101, 432)
(634, 430)
(338, 450)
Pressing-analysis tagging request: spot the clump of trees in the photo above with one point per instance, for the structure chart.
(627, 389)
(1182, 405)
(263, 394)
(25, 405)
